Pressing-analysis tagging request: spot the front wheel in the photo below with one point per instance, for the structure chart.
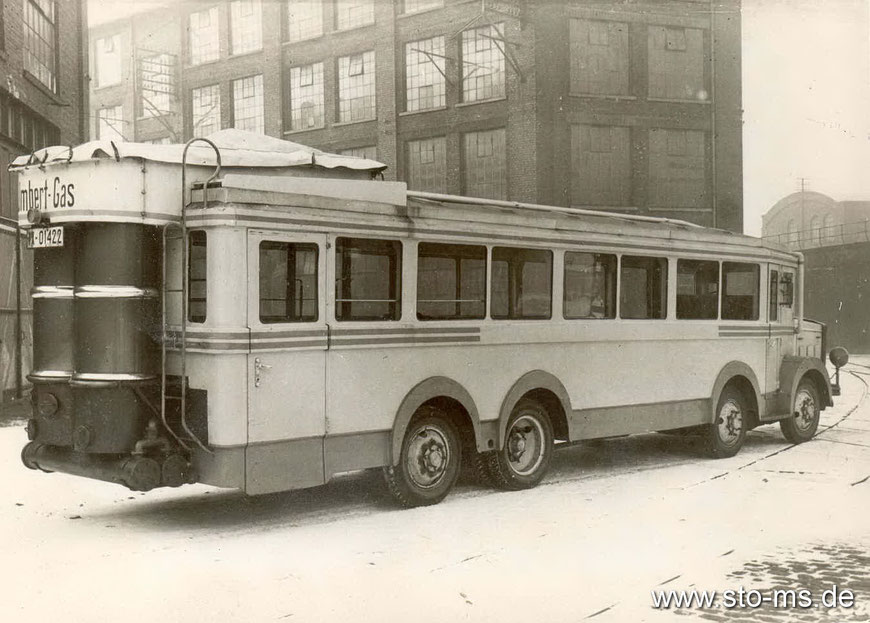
(528, 448)
(726, 434)
(429, 463)
(803, 422)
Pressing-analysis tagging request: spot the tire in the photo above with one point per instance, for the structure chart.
(429, 463)
(528, 449)
(725, 436)
(803, 422)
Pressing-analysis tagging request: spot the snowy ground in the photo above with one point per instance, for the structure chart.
(612, 522)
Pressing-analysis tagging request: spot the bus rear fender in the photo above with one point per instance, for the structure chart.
(792, 370)
(546, 389)
(742, 374)
(453, 398)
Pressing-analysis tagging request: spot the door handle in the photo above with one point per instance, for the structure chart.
(259, 366)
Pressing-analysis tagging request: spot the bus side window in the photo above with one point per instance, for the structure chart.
(773, 303)
(697, 290)
(643, 288)
(740, 287)
(288, 282)
(522, 281)
(368, 279)
(196, 276)
(451, 282)
(590, 285)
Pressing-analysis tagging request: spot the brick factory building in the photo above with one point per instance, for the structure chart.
(626, 106)
(43, 101)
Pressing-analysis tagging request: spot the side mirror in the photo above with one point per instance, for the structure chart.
(839, 356)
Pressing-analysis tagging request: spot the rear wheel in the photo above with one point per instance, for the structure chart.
(429, 463)
(528, 448)
(726, 434)
(803, 422)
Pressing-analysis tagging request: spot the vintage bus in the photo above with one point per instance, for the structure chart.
(292, 317)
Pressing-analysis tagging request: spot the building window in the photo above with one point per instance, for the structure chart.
(599, 57)
(304, 19)
(484, 164)
(590, 285)
(354, 13)
(205, 107)
(369, 152)
(676, 63)
(427, 165)
(697, 290)
(356, 87)
(306, 97)
(197, 276)
(107, 60)
(483, 65)
(643, 287)
(677, 168)
(288, 282)
(248, 111)
(204, 36)
(415, 6)
(368, 283)
(246, 26)
(600, 165)
(451, 282)
(40, 41)
(739, 291)
(110, 124)
(522, 281)
(829, 229)
(156, 85)
(424, 74)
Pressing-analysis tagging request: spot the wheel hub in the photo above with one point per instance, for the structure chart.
(805, 410)
(730, 422)
(517, 445)
(431, 458)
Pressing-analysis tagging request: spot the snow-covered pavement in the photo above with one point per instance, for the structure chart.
(612, 522)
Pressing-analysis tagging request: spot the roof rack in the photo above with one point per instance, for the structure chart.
(536, 207)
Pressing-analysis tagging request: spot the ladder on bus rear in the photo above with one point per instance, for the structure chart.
(185, 437)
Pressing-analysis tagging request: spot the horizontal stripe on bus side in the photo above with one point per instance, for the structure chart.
(374, 341)
(406, 330)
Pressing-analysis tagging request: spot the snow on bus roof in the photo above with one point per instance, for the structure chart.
(238, 148)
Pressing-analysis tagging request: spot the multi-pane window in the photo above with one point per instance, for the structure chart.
(484, 164)
(204, 36)
(206, 110)
(676, 63)
(590, 285)
(288, 282)
(248, 111)
(110, 123)
(739, 291)
(424, 74)
(427, 164)
(40, 41)
(599, 57)
(306, 97)
(354, 13)
(156, 85)
(356, 87)
(370, 152)
(643, 287)
(697, 289)
(451, 281)
(304, 19)
(677, 168)
(600, 165)
(107, 60)
(197, 273)
(413, 6)
(522, 281)
(368, 282)
(246, 26)
(483, 63)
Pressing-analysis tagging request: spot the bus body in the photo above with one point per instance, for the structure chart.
(319, 325)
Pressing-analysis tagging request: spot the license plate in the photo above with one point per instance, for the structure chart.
(42, 237)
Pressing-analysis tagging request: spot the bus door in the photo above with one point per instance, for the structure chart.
(287, 361)
(781, 295)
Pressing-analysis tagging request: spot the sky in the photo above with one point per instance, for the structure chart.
(806, 97)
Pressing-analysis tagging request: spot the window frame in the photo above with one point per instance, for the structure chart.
(395, 284)
(723, 294)
(718, 297)
(665, 286)
(446, 246)
(191, 244)
(614, 295)
(511, 283)
(271, 244)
